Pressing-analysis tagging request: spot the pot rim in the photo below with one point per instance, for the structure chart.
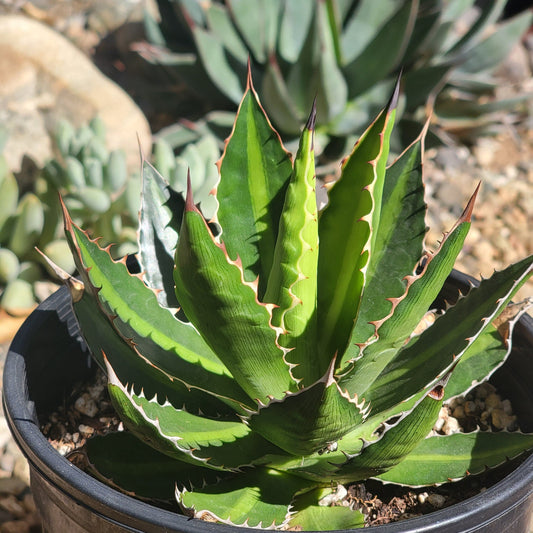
(19, 410)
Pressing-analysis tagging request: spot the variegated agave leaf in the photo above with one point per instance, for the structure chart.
(295, 359)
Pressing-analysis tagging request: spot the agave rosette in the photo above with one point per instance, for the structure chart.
(348, 54)
(274, 349)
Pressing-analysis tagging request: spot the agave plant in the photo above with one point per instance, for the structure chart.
(303, 48)
(295, 360)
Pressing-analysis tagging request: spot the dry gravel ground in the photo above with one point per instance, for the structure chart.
(502, 224)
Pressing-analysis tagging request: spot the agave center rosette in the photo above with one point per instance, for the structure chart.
(275, 349)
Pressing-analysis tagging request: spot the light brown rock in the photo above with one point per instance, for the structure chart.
(15, 526)
(459, 412)
(493, 401)
(451, 425)
(501, 420)
(470, 408)
(12, 505)
(12, 485)
(86, 405)
(44, 79)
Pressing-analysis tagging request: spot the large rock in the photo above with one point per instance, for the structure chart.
(44, 78)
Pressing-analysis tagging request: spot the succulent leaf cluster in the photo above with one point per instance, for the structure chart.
(197, 154)
(94, 182)
(346, 52)
(16, 275)
(100, 192)
(276, 349)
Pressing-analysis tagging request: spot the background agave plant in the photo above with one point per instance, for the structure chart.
(348, 53)
(296, 359)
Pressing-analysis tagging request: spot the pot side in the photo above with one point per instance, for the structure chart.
(48, 356)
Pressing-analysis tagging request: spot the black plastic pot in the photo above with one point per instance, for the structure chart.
(48, 356)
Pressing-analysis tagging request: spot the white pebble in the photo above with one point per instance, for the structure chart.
(451, 425)
(86, 405)
(86, 431)
(422, 497)
(438, 424)
(95, 392)
(334, 497)
(63, 449)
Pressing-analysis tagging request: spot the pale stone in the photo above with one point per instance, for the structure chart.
(86, 405)
(501, 420)
(45, 79)
(422, 497)
(86, 431)
(507, 408)
(451, 425)
(484, 151)
(336, 496)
